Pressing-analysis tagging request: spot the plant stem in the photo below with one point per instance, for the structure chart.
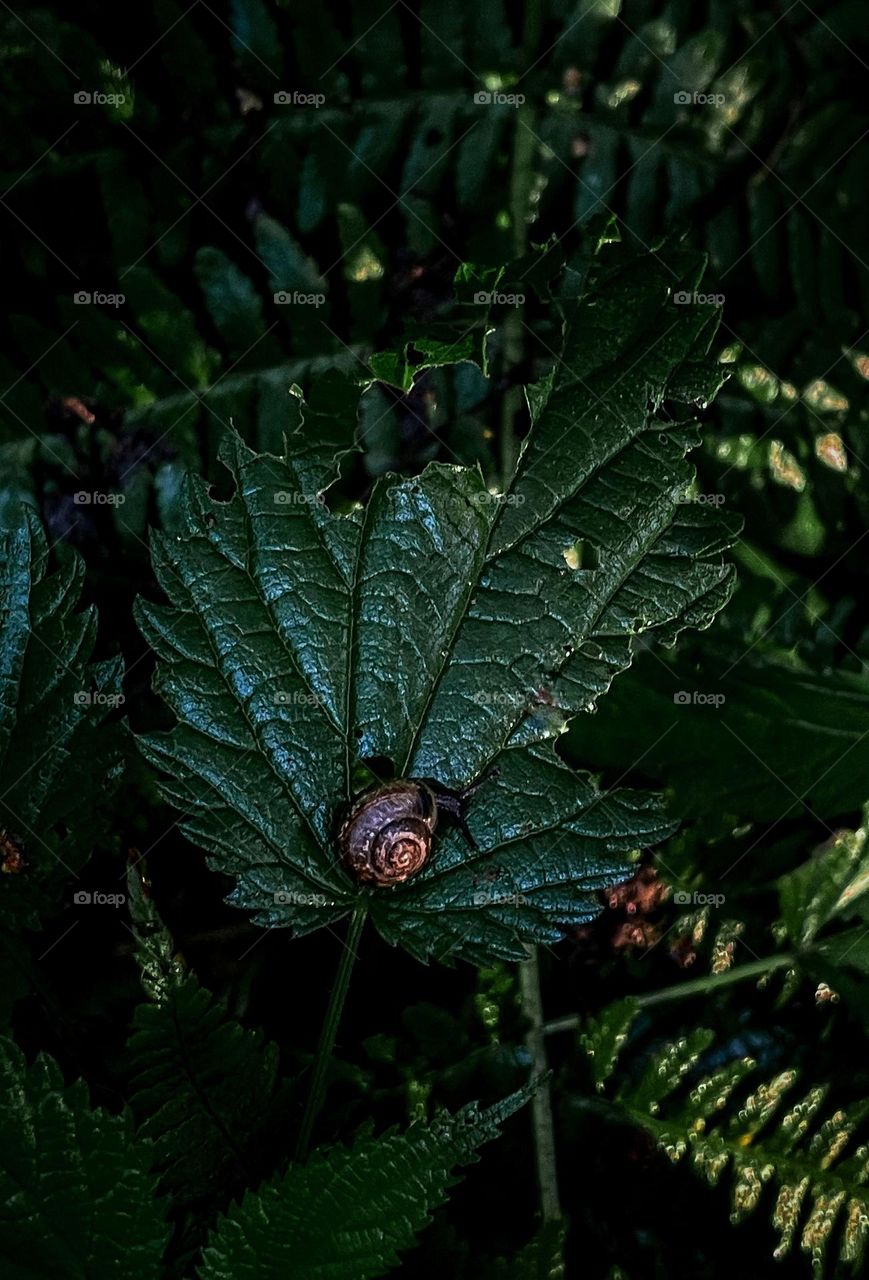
(541, 1103)
(329, 1031)
(703, 986)
(697, 987)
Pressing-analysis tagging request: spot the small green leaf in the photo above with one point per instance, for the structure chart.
(832, 883)
(541, 1259)
(234, 305)
(667, 1069)
(399, 368)
(289, 267)
(602, 1041)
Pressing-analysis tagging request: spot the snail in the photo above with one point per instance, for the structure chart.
(386, 838)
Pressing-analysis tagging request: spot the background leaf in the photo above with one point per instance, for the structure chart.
(77, 1196)
(60, 757)
(205, 1092)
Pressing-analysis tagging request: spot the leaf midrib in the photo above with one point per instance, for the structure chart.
(601, 400)
(444, 664)
(199, 1093)
(494, 557)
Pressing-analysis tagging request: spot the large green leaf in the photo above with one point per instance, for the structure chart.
(444, 630)
(76, 1195)
(347, 1213)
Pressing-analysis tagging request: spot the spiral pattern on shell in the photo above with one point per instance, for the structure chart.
(387, 836)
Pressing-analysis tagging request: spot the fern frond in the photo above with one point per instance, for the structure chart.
(812, 1153)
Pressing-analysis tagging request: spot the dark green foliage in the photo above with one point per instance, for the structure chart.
(77, 1197)
(541, 1259)
(58, 754)
(205, 1092)
(806, 726)
(349, 1211)
(457, 278)
(304, 198)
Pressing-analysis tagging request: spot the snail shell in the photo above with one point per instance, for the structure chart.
(387, 835)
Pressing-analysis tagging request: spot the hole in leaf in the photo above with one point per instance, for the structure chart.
(381, 767)
(581, 554)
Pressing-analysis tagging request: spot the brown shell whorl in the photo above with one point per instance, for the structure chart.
(398, 851)
(387, 836)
